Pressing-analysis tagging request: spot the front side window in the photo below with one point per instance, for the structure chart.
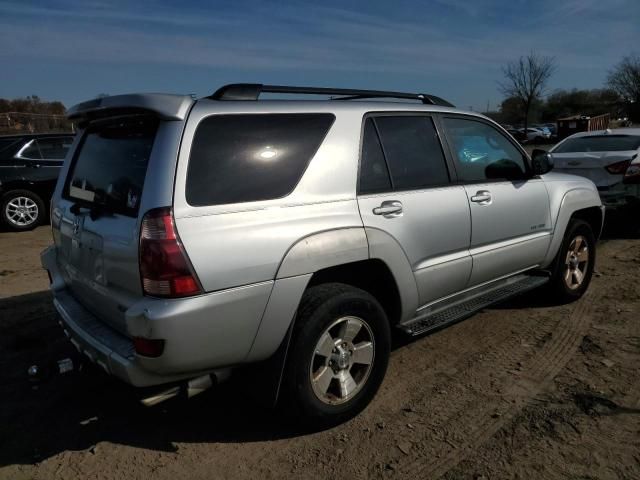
(5, 143)
(244, 158)
(413, 152)
(482, 152)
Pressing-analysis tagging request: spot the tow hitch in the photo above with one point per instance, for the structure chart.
(38, 373)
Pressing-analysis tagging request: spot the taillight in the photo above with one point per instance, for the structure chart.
(632, 175)
(618, 168)
(148, 347)
(164, 266)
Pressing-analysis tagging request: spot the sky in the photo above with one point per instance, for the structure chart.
(74, 50)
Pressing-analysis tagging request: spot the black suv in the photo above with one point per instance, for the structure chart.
(29, 167)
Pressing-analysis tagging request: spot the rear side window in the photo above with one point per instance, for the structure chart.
(601, 143)
(413, 152)
(111, 163)
(245, 158)
(374, 175)
(54, 148)
(30, 151)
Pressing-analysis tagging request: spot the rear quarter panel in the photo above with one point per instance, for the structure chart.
(243, 243)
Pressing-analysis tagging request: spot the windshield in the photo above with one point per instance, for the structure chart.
(111, 164)
(599, 143)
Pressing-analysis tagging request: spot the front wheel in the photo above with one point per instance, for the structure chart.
(339, 353)
(573, 266)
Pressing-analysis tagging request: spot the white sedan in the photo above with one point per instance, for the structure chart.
(609, 158)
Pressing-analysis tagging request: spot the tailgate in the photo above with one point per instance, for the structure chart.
(96, 234)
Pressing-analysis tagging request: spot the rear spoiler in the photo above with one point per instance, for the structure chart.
(165, 106)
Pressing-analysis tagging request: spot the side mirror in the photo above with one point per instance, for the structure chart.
(541, 161)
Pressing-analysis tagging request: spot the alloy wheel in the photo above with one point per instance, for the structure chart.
(342, 360)
(576, 262)
(21, 211)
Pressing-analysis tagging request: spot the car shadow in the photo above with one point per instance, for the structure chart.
(621, 224)
(74, 411)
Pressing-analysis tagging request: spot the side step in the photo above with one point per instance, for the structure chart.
(463, 309)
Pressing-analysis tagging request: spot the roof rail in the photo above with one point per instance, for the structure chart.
(251, 91)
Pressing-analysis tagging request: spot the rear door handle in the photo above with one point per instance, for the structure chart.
(391, 208)
(482, 196)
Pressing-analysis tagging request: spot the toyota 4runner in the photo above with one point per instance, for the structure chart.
(193, 237)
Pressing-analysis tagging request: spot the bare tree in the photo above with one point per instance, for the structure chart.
(526, 80)
(624, 79)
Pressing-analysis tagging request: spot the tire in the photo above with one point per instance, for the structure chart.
(338, 310)
(566, 285)
(21, 210)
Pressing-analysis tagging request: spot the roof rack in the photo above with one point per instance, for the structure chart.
(251, 91)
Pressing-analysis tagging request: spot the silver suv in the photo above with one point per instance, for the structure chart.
(193, 237)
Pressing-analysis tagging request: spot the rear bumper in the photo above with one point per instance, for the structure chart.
(629, 195)
(202, 334)
(104, 346)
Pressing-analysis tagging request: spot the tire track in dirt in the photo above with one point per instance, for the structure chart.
(480, 424)
(445, 363)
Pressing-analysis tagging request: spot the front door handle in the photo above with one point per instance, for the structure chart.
(482, 197)
(389, 208)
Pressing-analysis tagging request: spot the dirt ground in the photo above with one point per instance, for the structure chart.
(526, 389)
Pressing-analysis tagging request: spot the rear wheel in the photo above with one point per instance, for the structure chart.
(21, 210)
(575, 262)
(339, 354)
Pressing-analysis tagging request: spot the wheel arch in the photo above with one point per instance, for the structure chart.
(364, 258)
(372, 276)
(34, 187)
(582, 203)
(594, 216)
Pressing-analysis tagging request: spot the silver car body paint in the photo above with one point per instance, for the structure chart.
(255, 259)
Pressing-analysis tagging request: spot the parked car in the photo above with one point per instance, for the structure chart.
(29, 167)
(535, 135)
(546, 130)
(517, 133)
(609, 158)
(553, 129)
(193, 237)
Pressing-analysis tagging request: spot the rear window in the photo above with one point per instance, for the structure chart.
(600, 143)
(109, 168)
(244, 158)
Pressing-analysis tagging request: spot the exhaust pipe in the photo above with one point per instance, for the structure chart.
(188, 389)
